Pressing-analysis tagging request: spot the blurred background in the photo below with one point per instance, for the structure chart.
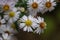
(52, 31)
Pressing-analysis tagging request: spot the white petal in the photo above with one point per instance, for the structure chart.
(24, 18)
(38, 30)
(6, 17)
(30, 29)
(14, 19)
(52, 8)
(10, 20)
(42, 19)
(3, 27)
(25, 28)
(14, 9)
(30, 17)
(35, 20)
(1, 31)
(18, 12)
(3, 21)
(45, 10)
(5, 35)
(34, 25)
(22, 25)
(12, 4)
(54, 4)
(39, 19)
(51, 0)
(1, 38)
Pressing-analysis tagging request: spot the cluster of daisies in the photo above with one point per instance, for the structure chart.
(10, 16)
(41, 6)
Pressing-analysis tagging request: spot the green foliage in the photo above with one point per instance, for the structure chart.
(22, 3)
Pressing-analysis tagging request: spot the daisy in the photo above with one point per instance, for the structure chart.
(2, 24)
(48, 5)
(9, 29)
(6, 5)
(12, 26)
(12, 16)
(6, 36)
(42, 25)
(27, 23)
(34, 6)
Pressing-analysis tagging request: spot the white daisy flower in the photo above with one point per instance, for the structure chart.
(6, 5)
(6, 36)
(12, 16)
(9, 29)
(12, 26)
(42, 25)
(2, 24)
(1, 38)
(34, 6)
(48, 5)
(27, 23)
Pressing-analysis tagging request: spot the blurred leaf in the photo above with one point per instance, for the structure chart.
(50, 25)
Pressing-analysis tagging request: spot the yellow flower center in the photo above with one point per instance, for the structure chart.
(13, 26)
(42, 25)
(34, 5)
(6, 7)
(48, 4)
(28, 22)
(11, 14)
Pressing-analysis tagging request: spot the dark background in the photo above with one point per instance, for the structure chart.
(52, 31)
